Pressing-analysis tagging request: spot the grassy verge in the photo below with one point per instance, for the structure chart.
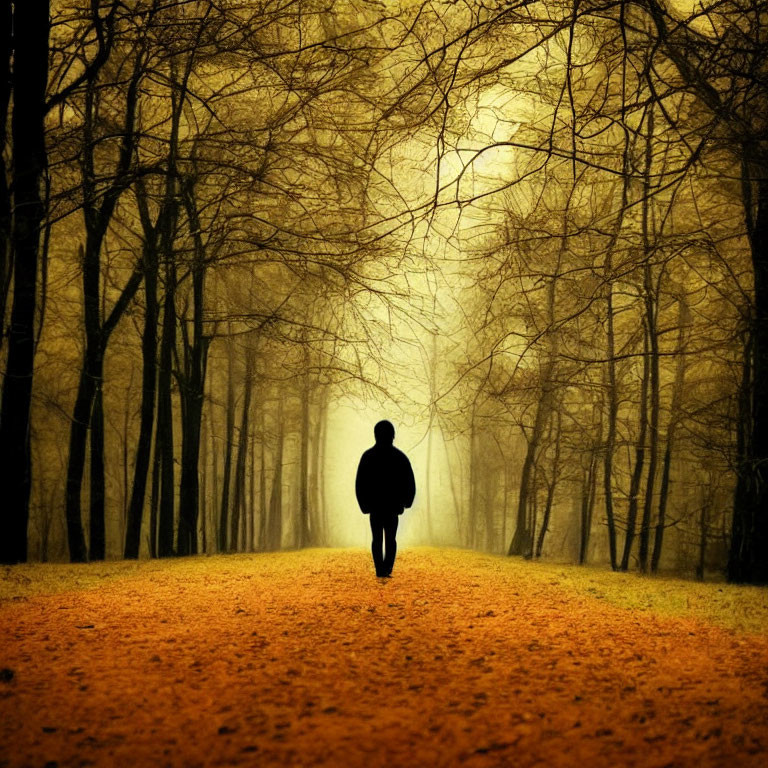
(736, 607)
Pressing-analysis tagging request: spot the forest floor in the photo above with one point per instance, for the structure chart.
(305, 658)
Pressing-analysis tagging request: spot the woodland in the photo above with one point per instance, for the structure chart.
(533, 233)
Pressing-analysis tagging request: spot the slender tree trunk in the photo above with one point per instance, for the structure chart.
(703, 531)
(214, 500)
(193, 391)
(204, 438)
(78, 435)
(637, 472)
(154, 494)
(323, 452)
(148, 391)
(651, 316)
(523, 538)
(224, 545)
(471, 517)
(522, 541)
(164, 438)
(305, 534)
(683, 319)
(588, 484)
(275, 525)
(612, 392)
(30, 72)
(97, 501)
(550, 487)
(263, 511)
(238, 500)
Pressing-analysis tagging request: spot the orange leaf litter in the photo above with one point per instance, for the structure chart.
(308, 659)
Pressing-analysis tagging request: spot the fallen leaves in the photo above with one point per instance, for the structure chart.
(460, 659)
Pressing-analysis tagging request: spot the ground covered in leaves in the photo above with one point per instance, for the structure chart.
(306, 658)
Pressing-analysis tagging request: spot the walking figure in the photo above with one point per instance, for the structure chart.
(384, 487)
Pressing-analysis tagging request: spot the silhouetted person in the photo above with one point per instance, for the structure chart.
(384, 488)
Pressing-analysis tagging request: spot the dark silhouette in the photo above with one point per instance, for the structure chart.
(384, 487)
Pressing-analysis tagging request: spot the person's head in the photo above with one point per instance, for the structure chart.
(384, 433)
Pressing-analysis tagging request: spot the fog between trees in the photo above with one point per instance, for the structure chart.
(235, 234)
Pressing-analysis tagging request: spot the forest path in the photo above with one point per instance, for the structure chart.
(306, 658)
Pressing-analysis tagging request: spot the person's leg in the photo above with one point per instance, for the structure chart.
(377, 537)
(390, 532)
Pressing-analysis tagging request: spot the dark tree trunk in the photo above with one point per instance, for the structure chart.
(470, 533)
(78, 435)
(674, 410)
(261, 541)
(154, 494)
(651, 315)
(637, 472)
(587, 506)
(164, 440)
(214, 499)
(550, 488)
(305, 534)
(748, 557)
(98, 542)
(224, 544)
(275, 523)
(523, 539)
(148, 390)
(238, 500)
(196, 354)
(6, 44)
(31, 27)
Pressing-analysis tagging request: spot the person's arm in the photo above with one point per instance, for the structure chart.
(409, 483)
(362, 485)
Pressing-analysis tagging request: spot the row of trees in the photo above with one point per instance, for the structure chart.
(610, 165)
(219, 217)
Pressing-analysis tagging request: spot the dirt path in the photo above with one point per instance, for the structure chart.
(307, 659)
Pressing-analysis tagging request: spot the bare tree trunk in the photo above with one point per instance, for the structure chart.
(224, 544)
(148, 385)
(154, 494)
(471, 519)
(251, 497)
(275, 524)
(164, 436)
(683, 318)
(551, 485)
(214, 500)
(263, 511)
(305, 534)
(522, 541)
(651, 316)
(612, 393)
(748, 556)
(81, 417)
(703, 531)
(204, 438)
(6, 79)
(98, 524)
(238, 501)
(322, 443)
(637, 472)
(193, 388)
(30, 74)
